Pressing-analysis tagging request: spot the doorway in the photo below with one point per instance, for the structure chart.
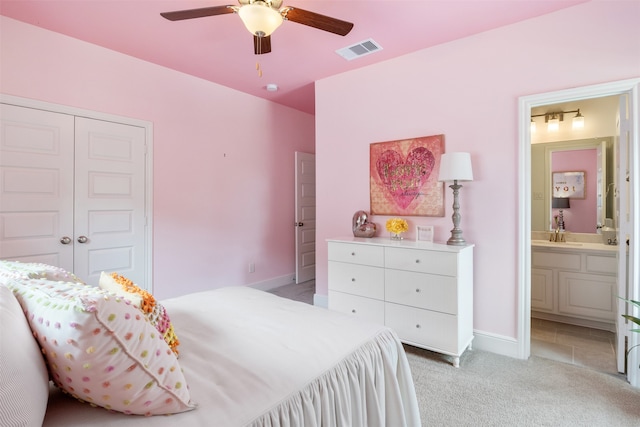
(628, 89)
(573, 304)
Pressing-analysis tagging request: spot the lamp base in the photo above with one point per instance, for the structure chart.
(456, 233)
(456, 238)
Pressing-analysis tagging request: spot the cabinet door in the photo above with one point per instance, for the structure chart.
(587, 295)
(541, 289)
(109, 200)
(36, 185)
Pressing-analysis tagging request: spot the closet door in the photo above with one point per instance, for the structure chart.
(110, 222)
(36, 186)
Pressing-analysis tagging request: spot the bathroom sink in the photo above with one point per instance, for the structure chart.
(548, 243)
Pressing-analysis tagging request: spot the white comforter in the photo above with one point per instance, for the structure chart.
(255, 359)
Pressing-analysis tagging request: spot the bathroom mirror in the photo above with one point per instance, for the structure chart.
(592, 158)
(590, 149)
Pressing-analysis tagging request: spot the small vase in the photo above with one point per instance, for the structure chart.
(396, 236)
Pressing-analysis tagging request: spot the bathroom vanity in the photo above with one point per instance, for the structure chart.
(574, 282)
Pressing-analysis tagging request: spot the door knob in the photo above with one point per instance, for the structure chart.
(65, 240)
(82, 239)
(299, 224)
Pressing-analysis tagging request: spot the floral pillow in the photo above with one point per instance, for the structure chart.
(34, 270)
(100, 348)
(153, 310)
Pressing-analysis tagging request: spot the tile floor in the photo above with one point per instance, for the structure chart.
(578, 345)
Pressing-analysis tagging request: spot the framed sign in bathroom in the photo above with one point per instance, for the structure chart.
(569, 184)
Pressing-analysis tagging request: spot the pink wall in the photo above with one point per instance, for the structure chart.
(223, 161)
(581, 217)
(467, 90)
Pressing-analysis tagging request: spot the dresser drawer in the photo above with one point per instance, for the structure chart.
(363, 308)
(429, 329)
(428, 291)
(421, 261)
(356, 279)
(356, 254)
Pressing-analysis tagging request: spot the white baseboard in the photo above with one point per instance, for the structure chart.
(321, 300)
(505, 346)
(275, 282)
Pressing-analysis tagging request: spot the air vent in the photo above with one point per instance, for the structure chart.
(359, 49)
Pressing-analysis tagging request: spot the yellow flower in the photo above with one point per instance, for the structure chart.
(397, 225)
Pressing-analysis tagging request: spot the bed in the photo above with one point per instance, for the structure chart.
(248, 358)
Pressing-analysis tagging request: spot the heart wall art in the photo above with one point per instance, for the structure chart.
(404, 177)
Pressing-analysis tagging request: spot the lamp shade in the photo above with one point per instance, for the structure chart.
(455, 166)
(259, 18)
(560, 203)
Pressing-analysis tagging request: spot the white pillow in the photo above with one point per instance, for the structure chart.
(101, 349)
(24, 381)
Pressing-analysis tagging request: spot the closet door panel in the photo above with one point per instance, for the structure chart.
(109, 200)
(36, 185)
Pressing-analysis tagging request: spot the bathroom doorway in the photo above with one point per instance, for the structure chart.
(580, 332)
(628, 90)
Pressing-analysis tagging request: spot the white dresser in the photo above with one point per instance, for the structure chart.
(423, 291)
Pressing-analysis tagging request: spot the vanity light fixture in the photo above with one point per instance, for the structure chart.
(455, 167)
(578, 121)
(553, 119)
(553, 124)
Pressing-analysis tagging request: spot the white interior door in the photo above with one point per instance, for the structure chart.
(628, 231)
(36, 186)
(110, 222)
(305, 218)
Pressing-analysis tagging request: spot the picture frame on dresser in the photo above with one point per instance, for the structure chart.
(424, 233)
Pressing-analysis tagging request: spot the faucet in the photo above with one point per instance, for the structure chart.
(558, 234)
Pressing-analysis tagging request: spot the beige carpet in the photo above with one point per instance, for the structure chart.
(493, 390)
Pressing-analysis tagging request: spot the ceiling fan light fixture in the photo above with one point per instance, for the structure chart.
(260, 19)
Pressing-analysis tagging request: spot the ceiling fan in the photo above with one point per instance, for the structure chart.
(262, 17)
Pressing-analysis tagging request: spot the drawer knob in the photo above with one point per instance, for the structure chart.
(353, 279)
(353, 254)
(353, 311)
(418, 326)
(417, 261)
(418, 290)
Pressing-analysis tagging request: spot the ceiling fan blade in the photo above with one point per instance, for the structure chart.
(315, 20)
(179, 15)
(261, 45)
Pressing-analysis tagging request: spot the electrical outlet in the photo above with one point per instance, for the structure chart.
(252, 267)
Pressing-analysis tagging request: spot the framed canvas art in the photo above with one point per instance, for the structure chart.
(403, 177)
